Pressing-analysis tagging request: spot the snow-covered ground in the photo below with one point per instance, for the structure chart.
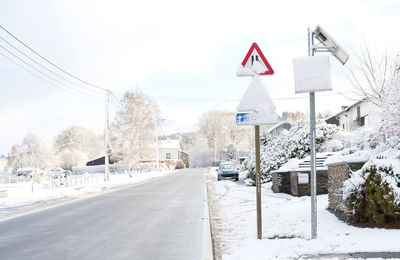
(286, 225)
(20, 197)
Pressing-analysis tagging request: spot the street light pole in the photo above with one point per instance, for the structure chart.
(313, 153)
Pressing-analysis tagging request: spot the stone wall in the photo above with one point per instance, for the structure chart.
(294, 190)
(288, 183)
(281, 182)
(305, 189)
(338, 173)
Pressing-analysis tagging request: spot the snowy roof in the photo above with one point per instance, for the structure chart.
(282, 125)
(348, 108)
(305, 164)
(169, 144)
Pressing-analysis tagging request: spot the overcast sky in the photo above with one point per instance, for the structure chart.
(184, 54)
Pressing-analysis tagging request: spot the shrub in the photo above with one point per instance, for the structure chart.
(372, 194)
(276, 150)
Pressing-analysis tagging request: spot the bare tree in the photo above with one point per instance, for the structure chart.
(372, 73)
(220, 129)
(133, 128)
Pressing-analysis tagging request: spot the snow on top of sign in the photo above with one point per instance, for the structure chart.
(257, 101)
(312, 74)
(256, 69)
(242, 71)
(256, 98)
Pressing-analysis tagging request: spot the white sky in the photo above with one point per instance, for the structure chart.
(182, 53)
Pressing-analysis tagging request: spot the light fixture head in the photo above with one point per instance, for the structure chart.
(328, 41)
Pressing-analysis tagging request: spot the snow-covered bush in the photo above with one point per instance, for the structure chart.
(372, 194)
(32, 152)
(231, 151)
(295, 143)
(70, 158)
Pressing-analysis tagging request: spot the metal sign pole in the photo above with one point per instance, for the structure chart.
(258, 182)
(312, 141)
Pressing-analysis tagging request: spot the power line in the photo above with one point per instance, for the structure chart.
(39, 71)
(237, 100)
(117, 101)
(48, 61)
(80, 87)
(68, 90)
(44, 67)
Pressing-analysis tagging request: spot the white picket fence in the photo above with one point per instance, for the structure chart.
(80, 181)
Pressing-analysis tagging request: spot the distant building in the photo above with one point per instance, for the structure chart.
(362, 113)
(100, 161)
(170, 149)
(278, 128)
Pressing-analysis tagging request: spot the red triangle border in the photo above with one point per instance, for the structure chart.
(270, 71)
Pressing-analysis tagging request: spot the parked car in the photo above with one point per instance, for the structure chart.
(228, 171)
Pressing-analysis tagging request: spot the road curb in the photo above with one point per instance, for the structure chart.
(208, 253)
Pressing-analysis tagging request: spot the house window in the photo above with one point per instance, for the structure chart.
(362, 121)
(168, 155)
(343, 126)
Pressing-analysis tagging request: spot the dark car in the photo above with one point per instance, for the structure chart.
(228, 171)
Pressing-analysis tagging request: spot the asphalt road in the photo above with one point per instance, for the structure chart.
(160, 219)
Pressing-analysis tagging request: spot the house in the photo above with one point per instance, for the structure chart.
(170, 149)
(361, 113)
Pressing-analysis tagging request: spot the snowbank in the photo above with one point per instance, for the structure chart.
(20, 194)
(286, 226)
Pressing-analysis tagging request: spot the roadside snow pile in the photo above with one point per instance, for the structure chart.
(295, 143)
(286, 226)
(372, 194)
(20, 195)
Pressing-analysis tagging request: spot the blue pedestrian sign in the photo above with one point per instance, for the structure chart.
(242, 118)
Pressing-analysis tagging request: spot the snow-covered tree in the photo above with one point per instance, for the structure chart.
(231, 152)
(372, 73)
(390, 105)
(69, 158)
(133, 128)
(295, 143)
(32, 152)
(79, 139)
(220, 129)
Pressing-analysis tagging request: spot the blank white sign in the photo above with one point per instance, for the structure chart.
(302, 178)
(312, 74)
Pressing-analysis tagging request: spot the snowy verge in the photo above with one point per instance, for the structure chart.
(286, 226)
(20, 197)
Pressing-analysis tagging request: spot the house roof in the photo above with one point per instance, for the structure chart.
(282, 125)
(347, 109)
(297, 165)
(169, 144)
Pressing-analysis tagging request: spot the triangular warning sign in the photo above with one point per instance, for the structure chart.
(255, 56)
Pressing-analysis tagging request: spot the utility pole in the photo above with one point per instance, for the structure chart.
(215, 149)
(157, 149)
(107, 139)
